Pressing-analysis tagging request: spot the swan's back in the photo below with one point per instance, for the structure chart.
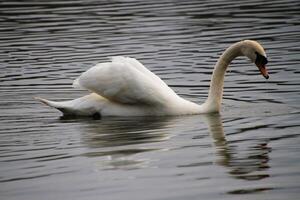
(126, 81)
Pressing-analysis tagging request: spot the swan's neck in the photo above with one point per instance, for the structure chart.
(215, 95)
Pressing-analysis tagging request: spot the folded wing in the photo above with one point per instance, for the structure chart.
(125, 80)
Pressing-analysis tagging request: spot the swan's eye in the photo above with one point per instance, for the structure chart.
(260, 59)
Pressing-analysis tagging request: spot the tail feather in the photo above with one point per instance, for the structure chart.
(47, 102)
(84, 106)
(61, 106)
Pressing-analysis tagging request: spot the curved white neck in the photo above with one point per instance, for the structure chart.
(215, 95)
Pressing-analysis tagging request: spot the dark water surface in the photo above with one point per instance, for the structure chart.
(250, 151)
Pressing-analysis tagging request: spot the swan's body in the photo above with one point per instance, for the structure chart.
(124, 87)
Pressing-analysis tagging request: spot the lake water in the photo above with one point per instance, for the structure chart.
(250, 151)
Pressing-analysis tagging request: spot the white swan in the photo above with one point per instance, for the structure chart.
(124, 87)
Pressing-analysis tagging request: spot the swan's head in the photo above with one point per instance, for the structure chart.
(256, 53)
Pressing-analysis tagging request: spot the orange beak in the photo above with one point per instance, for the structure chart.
(263, 70)
(261, 62)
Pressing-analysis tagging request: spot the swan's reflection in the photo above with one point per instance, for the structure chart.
(117, 141)
(243, 164)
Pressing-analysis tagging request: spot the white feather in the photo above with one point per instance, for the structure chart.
(127, 81)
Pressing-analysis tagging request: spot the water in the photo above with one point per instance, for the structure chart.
(249, 151)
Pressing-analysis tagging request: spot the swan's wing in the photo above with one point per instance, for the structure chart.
(125, 80)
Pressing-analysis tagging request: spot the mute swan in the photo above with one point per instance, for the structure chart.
(124, 87)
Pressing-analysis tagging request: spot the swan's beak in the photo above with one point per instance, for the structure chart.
(261, 62)
(263, 71)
